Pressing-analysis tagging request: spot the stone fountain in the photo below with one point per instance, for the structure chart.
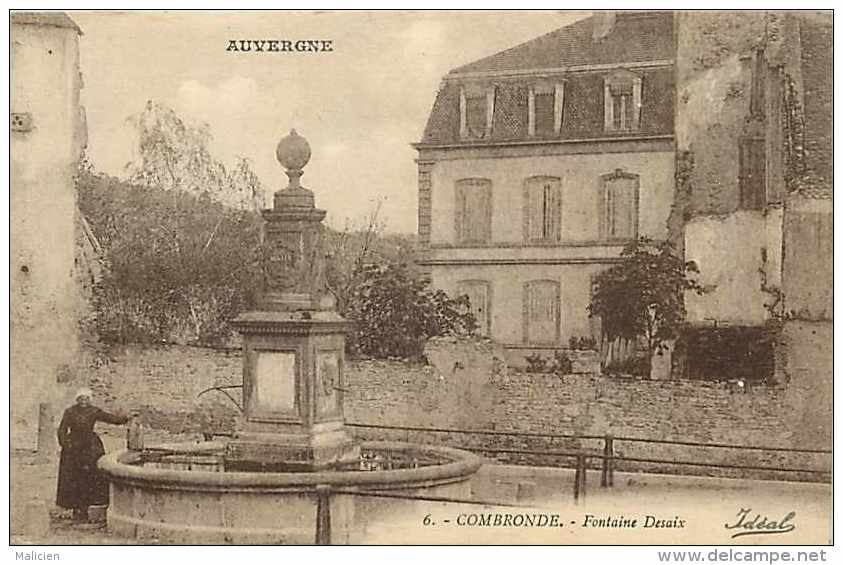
(294, 345)
(292, 446)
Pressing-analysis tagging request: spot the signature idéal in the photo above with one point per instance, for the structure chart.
(759, 524)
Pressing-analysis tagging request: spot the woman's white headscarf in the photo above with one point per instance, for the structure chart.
(84, 391)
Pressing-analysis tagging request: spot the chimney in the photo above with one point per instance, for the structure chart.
(603, 21)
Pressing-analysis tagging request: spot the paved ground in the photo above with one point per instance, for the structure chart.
(703, 506)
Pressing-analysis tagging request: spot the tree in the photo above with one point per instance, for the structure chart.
(395, 313)
(643, 296)
(178, 267)
(174, 154)
(357, 245)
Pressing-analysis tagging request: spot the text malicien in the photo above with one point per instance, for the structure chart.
(35, 556)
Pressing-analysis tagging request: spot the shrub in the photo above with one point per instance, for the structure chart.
(395, 313)
(583, 343)
(536, 363)
(562, 364)
(643, 295)
(636, 366)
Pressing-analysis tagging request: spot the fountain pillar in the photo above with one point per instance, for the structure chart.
(294, 343)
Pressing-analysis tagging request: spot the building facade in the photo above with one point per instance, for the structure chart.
(539, 164)
(46, 140)
(757, 204)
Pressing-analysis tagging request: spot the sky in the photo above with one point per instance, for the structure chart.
(360, 106)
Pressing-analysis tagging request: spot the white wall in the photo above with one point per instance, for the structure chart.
(45, 82)
(727, 250)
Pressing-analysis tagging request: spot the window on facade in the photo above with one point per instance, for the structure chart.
(620, 206)
(544, 109)
(546, 102)
(475, 115)
(541, 312)
(479, 297)
(622, 102)
(752, 166)
(473, 210)
(622, 109)
(477, 105)
(542, 209)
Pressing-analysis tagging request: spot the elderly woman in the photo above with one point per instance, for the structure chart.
(80, 484)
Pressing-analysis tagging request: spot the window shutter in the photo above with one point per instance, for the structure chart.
(459, 213)
(621, 206)
(544, 113)
(610, 209)
(531, 111)
(470, 214)
(473, 213)
(478, 297)
(481, 214)
(480, 307)
(463, 109)
(536, 211)
(636, 100)
(622, 198)
(542, 311)
(628, 111)
(607, 106)
(542, 209)
(490, 111)
(475, 116)
(558, 107)
(525, 211)
(555, 233)
(616, 111)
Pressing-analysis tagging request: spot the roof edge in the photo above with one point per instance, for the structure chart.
(45, 18)
(543, 141)
(558, 70)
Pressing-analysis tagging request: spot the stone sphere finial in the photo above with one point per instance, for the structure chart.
(293, 152)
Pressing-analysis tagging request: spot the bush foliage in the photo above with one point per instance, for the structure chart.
(395, 313)
(177, 266)
(643, 296)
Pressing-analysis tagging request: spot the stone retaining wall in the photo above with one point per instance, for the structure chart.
(164, 382)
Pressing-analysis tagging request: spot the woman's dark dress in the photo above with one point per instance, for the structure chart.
(80, 483)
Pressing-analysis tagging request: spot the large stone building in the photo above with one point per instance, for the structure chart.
(539, 163)
(47, 138)
(756, 195)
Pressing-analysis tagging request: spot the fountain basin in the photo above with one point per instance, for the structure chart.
(191, 498)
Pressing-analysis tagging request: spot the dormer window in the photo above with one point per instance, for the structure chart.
(546, 103)
(477, 107)
(622, 102)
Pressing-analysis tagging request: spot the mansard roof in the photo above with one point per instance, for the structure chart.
(634, 37)
(573, 56)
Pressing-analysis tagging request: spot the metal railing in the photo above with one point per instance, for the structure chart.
(581, 464)
(608, 456)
